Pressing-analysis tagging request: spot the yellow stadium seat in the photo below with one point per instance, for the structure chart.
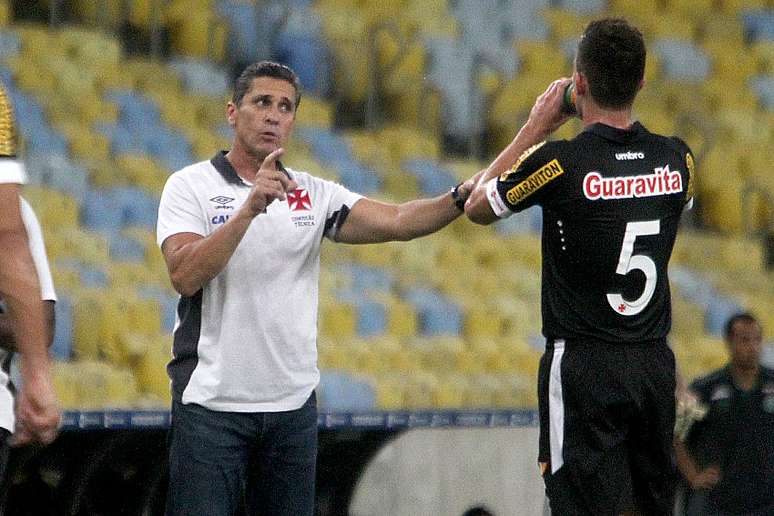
(565, 24)
(150, 75)
(140, 170)
(75, 242)
(36, 80)
(54, 209)
(85, 144)
(451, 392)
(407, 142)
(417, 105)
(315, 112)
(150, 367)
(542, 61)
(337, 319)
(105, 14)
(196, 31)
(735, 7)
(390, 392)
(5, 13)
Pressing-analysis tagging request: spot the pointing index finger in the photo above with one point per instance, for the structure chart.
(269, 161)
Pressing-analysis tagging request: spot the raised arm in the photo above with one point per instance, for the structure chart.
(544, 118)
(373, 221)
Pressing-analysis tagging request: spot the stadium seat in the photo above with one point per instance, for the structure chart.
(201, 77)
(681, 60)
(339, 391)
(10, 44)
(61, 349)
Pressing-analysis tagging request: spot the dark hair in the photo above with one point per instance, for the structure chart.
(264, 69)
(478, 510)
(740, 317)
(611, 54)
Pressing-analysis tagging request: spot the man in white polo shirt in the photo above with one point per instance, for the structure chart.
(241, 235)
(37, 413)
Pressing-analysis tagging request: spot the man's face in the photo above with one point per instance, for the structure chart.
(745, 344)
(264, 119)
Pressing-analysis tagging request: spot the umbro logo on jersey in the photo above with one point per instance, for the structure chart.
(661, 182)
(625, 156)
(222, 202)
(298, 200)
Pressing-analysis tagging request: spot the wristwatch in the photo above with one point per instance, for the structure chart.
(459, 201)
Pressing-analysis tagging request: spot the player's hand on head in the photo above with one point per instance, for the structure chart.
(546, 115)
(270, 184)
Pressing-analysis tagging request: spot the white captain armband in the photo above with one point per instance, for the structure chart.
(495, 201)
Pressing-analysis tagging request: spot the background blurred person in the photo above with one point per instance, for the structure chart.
(727, 457)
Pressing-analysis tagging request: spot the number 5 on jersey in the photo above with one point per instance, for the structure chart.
(628, 262)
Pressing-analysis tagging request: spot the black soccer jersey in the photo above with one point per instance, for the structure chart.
(611, 201)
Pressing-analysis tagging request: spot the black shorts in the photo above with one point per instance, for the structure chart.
(607, 415)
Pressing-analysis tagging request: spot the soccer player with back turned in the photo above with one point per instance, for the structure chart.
(611, 199)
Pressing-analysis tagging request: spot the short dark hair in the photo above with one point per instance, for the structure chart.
(611, 54)
(746, 317)
(264, 69)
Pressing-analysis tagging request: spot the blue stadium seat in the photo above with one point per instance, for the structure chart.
(10, 44)
(763, 87)
(759, 24)
(366, 278)
(309, 57)
(488, 33)
(437, 314)
(6, 76)
(58, 172)
(340, 391)
(719, 310)
(126, 249)
(584, 6)
(201, 77)
(62, 347)
(93, 277)
(357, 177)
(169, 145)
(450, 68)
(326, 145)
(138, 206)
(250, 37)
(110, 210)
(136, 110)
(432, 177)
(525, 19)
(682, 60)
(371, 318)
(527, 221)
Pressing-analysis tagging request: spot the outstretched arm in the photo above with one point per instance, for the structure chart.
(373, 221)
